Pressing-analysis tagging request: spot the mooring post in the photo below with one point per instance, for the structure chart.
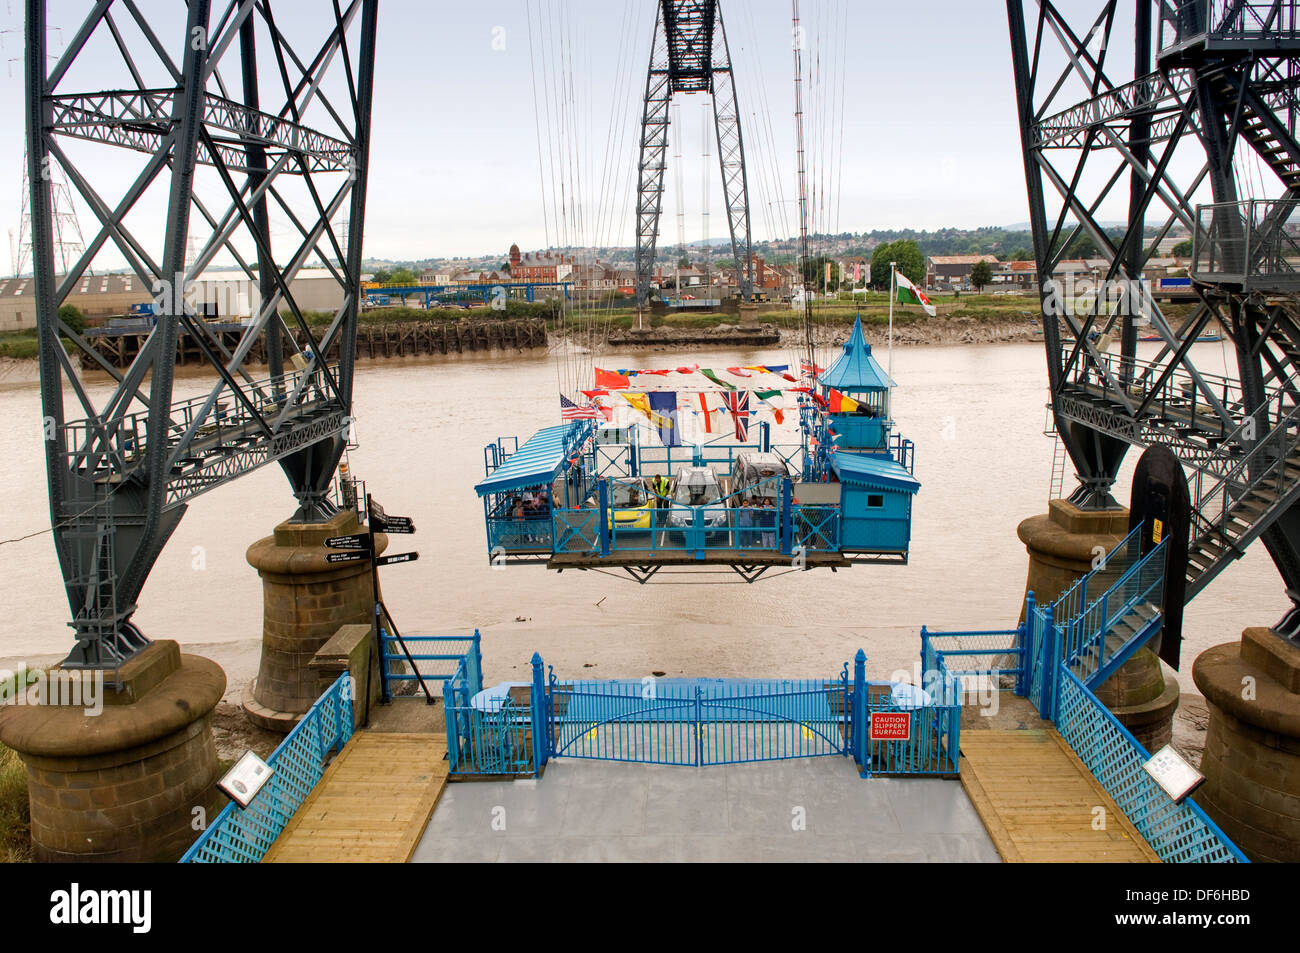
(386, 693)
(475, 673)
(699, 724)
(1024, 643)
(858, 712)
(450, 715)
(787, 496)
(1050, 660)
(541, 733)
(603, 492)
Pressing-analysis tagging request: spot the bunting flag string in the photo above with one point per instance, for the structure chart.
(774, 399)
(612, 380)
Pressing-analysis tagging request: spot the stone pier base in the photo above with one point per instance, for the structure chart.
(133, 782)
(306, 601)
(1252, 746)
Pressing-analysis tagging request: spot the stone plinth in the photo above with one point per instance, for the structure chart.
(1252, 746)
(351, 649)
(305, 601)
(128, 782)
(748, 315)
(1062, 545)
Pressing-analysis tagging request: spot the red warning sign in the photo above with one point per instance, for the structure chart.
(891, 726)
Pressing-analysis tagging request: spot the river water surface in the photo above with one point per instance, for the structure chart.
(975, 412)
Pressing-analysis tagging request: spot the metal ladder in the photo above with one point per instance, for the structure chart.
(1059, 457)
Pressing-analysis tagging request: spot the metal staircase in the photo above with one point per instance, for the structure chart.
(1099, 633)
(1250, 493)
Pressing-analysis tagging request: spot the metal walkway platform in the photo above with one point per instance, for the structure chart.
(1040, 803)
(372, 804)
(712, 557)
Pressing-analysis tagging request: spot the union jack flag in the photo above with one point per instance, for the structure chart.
(738, 404)
(571, 411)
(809, 369)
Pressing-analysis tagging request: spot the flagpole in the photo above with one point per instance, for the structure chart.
(893, 293)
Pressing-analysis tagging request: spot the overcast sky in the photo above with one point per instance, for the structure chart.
(481, 123)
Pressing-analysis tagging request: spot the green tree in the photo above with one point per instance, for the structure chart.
(402, 276)
(981, 275)
(70, 315)
(1183, 249)
(906, 253)
(382, 276)
(1083, 246)
(683, 262)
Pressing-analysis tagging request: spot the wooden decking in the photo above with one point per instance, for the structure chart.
(1040, 803)
(371, 806)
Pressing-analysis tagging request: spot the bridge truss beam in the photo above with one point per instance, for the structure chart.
(120, 470)
(1168, 120)
(689, 54)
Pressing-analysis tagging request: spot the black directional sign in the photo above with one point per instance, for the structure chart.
(395, 525)
(358, 541)
(376, 511)
(397, 558)
(346, 557)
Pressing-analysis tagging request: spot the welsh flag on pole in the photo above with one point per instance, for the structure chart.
(909, 293)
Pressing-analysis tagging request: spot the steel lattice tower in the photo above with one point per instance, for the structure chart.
(121, 471)
(1111, 107)
(689, 54)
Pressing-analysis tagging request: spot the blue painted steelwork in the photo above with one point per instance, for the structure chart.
(1066, 647)
(1179, 833)
(459, 651)
(539, 461)
(699, 721)
(856, 371)
(933, 747)
(543, 465)
(499, 735)
(244, 836)
(876, 500)
(986, 654)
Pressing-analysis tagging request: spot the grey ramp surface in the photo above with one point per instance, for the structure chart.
(807, 810)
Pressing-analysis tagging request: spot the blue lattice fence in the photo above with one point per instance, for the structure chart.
(245, 836)
(1179, 833)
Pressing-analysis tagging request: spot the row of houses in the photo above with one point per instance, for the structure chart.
(953, 272)
(601, 277)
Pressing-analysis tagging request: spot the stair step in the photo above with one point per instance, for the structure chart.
(1251, 505)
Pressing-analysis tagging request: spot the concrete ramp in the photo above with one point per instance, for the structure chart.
(1040, 804)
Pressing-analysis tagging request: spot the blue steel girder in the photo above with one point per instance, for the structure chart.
(120, 470)
(689, 54)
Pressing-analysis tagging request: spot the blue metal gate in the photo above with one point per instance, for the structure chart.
(699, 721)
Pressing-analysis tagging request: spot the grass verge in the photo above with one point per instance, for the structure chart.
(15, 818)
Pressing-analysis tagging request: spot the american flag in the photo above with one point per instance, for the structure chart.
(571, 411)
